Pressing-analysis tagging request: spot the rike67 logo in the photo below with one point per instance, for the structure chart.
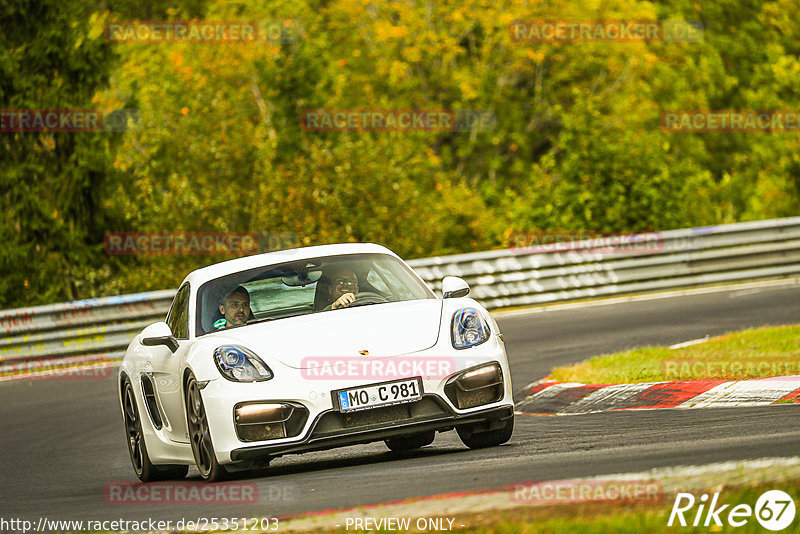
(774, 510)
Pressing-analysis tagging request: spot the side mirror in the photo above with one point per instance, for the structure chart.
(159, 334)
(454, 287)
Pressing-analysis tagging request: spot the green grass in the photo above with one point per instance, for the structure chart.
(601, 517)
(604, 517)
(756, 353)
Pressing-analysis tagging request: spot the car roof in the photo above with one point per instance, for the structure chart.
(200, 276)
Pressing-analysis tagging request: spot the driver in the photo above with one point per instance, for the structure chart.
(342, 289)
(235, 309)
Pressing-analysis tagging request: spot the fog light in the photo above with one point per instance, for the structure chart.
(263, 413)
(265, 421)
(481, 377)
(476, 387)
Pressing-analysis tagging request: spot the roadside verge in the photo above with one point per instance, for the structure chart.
(551, 506)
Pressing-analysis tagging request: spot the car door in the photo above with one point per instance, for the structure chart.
(164, 369)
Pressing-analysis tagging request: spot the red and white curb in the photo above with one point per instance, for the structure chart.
(558, 398)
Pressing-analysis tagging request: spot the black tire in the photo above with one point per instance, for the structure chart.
(488, 438)
(200, 435)
(140, 460)
(411, 442)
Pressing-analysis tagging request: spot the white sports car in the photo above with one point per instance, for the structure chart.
(309, 349)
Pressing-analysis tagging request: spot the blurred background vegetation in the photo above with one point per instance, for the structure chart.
(217, 144)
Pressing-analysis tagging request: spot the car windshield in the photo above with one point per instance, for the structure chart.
(304, 287)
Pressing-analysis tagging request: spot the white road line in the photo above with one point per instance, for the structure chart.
(689, 343)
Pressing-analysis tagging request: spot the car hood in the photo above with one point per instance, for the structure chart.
(313, 340)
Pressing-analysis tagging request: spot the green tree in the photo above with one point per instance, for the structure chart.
(52, 183)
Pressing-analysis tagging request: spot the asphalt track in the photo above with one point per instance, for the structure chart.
(62, 440)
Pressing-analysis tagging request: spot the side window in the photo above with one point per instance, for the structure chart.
(178, 317)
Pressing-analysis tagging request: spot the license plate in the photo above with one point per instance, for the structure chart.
(384, 394)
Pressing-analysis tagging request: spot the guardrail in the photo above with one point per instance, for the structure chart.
(102, 328)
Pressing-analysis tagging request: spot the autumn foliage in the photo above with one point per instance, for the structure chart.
(214, 139)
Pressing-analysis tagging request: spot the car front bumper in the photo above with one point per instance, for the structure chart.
(422, 417)
(326, 427)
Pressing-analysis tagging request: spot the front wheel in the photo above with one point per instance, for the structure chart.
(144, 468)
(200, 435)
(473, 438)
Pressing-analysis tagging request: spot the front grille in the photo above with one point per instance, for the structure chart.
(332, 423)
(375, 416)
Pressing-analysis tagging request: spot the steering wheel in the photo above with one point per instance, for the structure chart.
(368, 297)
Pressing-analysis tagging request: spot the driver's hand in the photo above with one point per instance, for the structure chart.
(342, 302)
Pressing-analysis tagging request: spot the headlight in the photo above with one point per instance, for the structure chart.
(241, 365)
(469, 328)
